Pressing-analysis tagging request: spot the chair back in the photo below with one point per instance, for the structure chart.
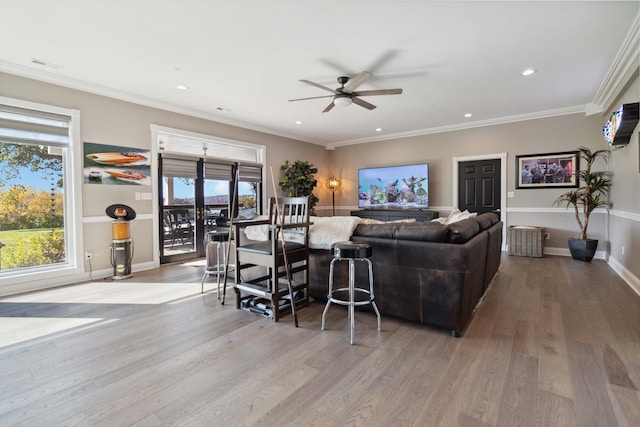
(291, 211)
(181, 216)
(167, 221)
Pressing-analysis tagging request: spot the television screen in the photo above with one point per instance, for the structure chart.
(619, 128)
(394, 187)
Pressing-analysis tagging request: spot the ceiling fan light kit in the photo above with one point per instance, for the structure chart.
(345, 95)
(342, 100)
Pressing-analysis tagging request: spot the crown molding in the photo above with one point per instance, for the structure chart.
(580, 109)
(623, 68)
(48, 77)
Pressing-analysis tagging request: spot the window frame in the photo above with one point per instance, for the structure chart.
(40, 277)
(179, 142)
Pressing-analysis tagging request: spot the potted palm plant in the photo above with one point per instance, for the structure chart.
(592, 194)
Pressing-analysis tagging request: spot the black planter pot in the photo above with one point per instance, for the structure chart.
(583, 250)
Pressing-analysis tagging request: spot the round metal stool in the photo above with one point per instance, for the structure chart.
(351, 251)
(216, 242)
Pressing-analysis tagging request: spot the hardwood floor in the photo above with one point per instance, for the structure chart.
(555, 342)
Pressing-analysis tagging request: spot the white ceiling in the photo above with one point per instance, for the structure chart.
(242, 60)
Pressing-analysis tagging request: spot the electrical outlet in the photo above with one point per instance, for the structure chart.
(88, 255)
(622, 250)
(547, 236)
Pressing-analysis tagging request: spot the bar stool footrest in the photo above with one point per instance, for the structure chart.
(356, 302)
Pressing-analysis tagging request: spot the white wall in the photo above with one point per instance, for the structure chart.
(535, 207)
(624, 222)
(110, 121)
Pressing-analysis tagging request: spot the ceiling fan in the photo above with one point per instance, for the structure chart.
(345, 95)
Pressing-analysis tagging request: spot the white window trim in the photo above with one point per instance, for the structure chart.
(63, 273)
(208, 141)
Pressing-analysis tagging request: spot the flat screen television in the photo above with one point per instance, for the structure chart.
(619, 128)
(394, 187)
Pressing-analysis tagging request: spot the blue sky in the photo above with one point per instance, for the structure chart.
(212, 188)
(37, 180)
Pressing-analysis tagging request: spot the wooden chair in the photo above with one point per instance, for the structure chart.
(182, 225)
(169, 228)
(269, 254)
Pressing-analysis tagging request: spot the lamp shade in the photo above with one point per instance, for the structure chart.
(342, 100)
(333, 183)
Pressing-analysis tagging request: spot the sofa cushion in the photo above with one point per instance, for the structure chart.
(483, 221)
(495, 218)
(464, 230)
(423, 231)
(487, 219)
(386, 230)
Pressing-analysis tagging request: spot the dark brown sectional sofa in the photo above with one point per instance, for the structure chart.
(428, 273)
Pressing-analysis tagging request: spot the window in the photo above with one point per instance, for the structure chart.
(208, 178)
(249, 190)
(220, 155)
(38, 211)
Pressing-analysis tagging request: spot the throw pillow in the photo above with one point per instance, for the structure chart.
(456, 215)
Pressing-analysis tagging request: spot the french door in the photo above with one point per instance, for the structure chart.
(180, 190)
(194, 193)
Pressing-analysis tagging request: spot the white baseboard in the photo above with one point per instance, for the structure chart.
(626, 275)
(54, 282)
(108, 272)
(566, 252)
(557, 251)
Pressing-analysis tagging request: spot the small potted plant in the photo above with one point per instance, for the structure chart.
(585, 199)
(299, 181)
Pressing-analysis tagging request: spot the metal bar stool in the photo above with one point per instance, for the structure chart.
(216, 240)
(351, 251)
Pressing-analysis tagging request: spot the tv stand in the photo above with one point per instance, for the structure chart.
(420, 215)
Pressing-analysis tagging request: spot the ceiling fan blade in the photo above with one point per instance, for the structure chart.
(329, 107)
(318, 86)
(313, 97)
(362, 103)
(353, 83)
(378, 92)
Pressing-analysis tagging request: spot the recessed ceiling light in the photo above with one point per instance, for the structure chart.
(468, 115)
(181, 87)
(378, 129)
(528, 72)
(298, 122)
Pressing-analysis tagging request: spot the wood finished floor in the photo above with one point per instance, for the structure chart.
(555, 342)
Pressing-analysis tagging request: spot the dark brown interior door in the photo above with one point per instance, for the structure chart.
(479, 186)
